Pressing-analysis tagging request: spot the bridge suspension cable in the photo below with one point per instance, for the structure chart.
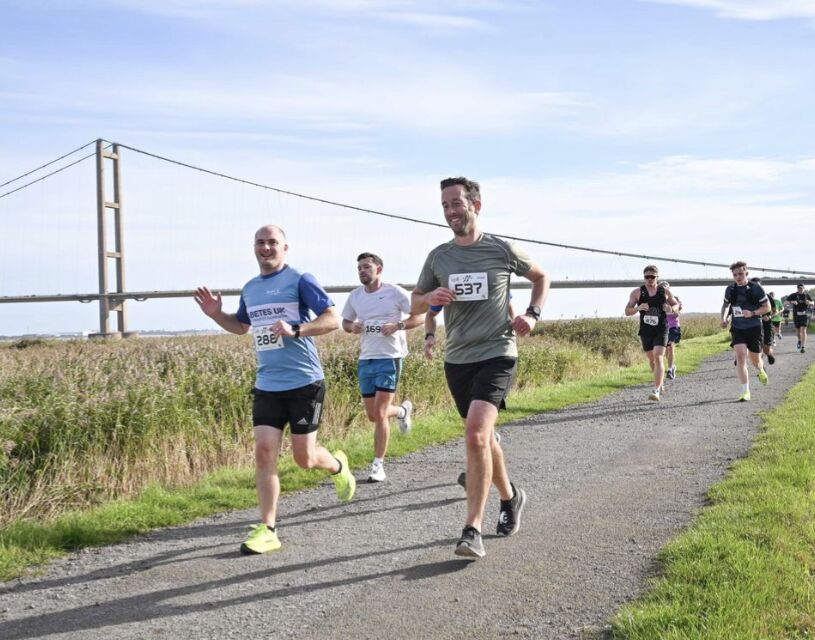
(393, 216)
(443, 226)
(47, 175)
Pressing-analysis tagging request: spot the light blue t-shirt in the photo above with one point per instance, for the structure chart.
(287, 363)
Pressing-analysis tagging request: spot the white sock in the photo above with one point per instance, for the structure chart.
(378, 461)
(402, 412)
(745, 388)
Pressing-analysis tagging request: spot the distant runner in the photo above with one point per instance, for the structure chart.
(778, 307)
(470, 277)
(801, 303)
(290, 386)
(380, 313)
(653, 303)
(674, 334)
(767, 334)
(745, 302)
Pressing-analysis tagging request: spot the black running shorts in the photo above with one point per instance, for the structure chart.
(300, 408)
(488, 380)
(767, 332)
(801, 320)
(653, 339)
(751, 337)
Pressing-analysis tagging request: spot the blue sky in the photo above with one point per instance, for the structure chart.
(669, 127)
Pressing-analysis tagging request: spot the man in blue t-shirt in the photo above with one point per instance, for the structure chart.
(745, 302)
(289, 388)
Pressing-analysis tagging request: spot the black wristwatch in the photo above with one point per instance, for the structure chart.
(533, 311)
(296, 329)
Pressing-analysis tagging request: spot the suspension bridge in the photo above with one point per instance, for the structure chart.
(111, 291)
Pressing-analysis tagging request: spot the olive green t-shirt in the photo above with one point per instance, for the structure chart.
(477, 323)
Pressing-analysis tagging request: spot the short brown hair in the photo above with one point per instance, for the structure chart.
(375, 258)
(471, 188)
(738, 265)
(651, 267)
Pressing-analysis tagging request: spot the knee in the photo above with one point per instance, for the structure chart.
(264, 454)
(477, 439)
(371, 414)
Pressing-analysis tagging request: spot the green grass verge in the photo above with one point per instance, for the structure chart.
(746, 567)
(26, 544)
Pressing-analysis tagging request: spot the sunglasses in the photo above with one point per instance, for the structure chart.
(650, 277)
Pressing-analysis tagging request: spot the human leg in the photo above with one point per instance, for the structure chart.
(379, 411)
(479, 428)
(267, 450)
(263, 537)
(669, 356)
(478, 390)
(741, 362)
(304, 407)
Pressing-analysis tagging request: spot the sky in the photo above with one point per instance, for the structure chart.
(676, 128)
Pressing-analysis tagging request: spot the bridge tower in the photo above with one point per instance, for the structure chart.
(106, 257)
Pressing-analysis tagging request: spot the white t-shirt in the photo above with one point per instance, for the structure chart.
(389, 303)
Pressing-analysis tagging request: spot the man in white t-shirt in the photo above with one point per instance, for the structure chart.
(380, 314)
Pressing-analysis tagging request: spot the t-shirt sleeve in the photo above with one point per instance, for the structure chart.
(313, 295)
(761, 295)
(241, 313)
(728, 293)
(348, 311)
(427, 279)
(520, 262)
(403, 300)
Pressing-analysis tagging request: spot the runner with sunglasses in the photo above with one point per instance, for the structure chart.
(653, 303)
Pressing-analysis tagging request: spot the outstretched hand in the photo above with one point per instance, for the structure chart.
(210, 305)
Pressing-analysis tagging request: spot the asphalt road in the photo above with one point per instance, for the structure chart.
(609, 483)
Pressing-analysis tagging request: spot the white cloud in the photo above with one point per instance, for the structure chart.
(751, 9)
(435, 21)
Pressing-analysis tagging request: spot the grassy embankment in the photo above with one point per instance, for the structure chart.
(101, 440)
(745, 568)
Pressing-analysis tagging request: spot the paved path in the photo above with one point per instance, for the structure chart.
(609, 484)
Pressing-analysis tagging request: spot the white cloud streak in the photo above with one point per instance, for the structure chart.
(754, 10)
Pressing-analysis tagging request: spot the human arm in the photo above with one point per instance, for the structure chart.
(672, 304)
(524, 323)
(724, 313)
(326, 322)
(430, 332)
(633, 306)
(352, 326)
(212, 306)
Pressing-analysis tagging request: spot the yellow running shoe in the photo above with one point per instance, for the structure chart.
(763, 378)
(744, 397)
(344, 481)
(261, 540)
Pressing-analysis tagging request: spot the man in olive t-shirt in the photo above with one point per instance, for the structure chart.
(470, 277)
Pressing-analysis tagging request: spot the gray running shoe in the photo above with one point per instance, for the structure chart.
(509, 519)
(470, 545)
(406, 423)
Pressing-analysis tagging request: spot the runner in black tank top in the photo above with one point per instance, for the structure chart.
(652, 303)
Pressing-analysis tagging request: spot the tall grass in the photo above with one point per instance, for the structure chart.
(86, 421)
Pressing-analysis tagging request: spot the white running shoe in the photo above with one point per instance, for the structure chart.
(654, 395)
(406, 423)
(377, 472)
